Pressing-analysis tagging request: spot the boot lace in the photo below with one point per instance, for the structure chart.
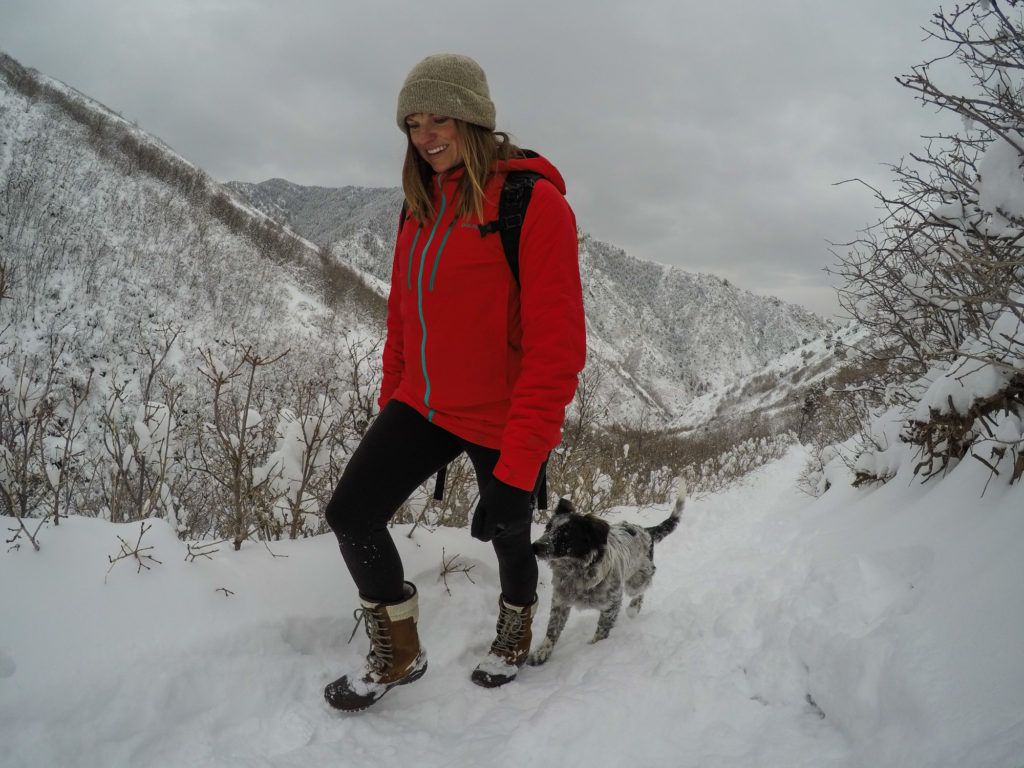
(381, 650)
(510, 632)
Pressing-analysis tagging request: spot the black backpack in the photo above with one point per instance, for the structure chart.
(515, 197)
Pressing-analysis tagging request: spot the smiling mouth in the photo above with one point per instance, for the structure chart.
(437, 150)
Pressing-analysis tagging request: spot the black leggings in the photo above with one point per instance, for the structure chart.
(399, 451)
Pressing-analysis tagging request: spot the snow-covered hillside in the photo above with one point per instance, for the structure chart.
(780, 385)
(663, 335)
(84, 220)
(132, 287)
(868, 628)
(364, 218)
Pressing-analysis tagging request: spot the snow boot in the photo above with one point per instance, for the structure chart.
(511, 646)
(395, 657)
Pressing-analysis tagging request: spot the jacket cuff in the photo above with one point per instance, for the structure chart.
(521, 474)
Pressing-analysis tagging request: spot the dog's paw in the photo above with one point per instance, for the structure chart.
(633, 609)
(541, 655)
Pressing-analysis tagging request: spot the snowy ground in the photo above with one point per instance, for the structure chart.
(869, 628)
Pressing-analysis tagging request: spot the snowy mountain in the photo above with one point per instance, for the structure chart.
(156, 331)
(781, 385)
(662, 334)
(92, 202)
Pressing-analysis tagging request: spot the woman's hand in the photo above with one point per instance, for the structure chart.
(504, 510)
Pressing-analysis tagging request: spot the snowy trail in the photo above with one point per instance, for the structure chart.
(159, 669)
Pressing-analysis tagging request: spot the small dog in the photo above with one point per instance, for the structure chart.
(593, 563)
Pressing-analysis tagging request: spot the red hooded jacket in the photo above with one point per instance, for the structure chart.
(485, 359)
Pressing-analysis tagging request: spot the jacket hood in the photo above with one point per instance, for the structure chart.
(532, 162)
(537, 164)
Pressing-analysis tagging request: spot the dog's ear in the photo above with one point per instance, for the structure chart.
(565, 507)
(595, 536)
(597, 533)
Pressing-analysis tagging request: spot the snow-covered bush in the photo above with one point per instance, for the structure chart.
(940, 281)
(726, 468)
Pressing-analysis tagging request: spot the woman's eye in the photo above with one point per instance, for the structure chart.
(441, 120)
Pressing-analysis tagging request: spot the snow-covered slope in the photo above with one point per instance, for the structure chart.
(680, 333)
(663, 335)
(93, 208)
(868, 628)
(134, 290)
(779, 386)
(328, 215)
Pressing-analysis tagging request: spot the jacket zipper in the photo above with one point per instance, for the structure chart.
(419, 293)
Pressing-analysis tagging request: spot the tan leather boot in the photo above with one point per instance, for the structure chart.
(395, 656)
(511, 646)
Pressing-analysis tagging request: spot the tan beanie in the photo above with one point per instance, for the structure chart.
(447, 84)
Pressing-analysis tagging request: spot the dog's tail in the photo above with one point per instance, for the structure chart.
(663, 529)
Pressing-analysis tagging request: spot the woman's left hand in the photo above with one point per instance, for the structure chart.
(504, 510)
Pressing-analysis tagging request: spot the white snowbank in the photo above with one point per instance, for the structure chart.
(875, 628)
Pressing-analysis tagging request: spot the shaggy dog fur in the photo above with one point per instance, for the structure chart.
(593, 563)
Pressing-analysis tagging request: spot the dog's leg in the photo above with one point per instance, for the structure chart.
(608, 617)
(636, 585)
(641, 579)
(556, 623)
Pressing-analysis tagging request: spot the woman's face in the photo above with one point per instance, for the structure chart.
(436, 138)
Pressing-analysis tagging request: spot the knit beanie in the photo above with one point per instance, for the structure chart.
(447, 84)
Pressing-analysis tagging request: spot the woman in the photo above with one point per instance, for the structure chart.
(474, 362)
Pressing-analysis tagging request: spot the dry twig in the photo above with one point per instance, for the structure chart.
(138, 552)
(448, 566)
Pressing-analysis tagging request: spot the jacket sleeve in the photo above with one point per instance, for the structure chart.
(554, 337)
(393, 362)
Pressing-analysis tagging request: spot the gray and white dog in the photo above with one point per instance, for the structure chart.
(593, 563)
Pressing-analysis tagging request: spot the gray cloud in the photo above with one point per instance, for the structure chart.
(699, 134)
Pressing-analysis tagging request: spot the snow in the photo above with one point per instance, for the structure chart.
(1001, 191)
(873, 627)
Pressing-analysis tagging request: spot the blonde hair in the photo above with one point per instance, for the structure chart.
(481, 149)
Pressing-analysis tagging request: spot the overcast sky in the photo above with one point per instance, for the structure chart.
(705, 135)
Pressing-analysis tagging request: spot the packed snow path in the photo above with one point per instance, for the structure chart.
(736, 659)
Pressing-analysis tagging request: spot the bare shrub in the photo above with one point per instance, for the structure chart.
(304, 435)
(140, 462)
(234, 446)
(939, 280)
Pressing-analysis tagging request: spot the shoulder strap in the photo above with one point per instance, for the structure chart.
(512, 205)
(515, 197)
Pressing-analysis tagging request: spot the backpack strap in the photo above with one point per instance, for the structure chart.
(542, 486)
(442, 473)
(515, 197)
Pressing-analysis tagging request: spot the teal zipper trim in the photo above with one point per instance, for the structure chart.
(408, 272)
(437, 258)
(419, 303)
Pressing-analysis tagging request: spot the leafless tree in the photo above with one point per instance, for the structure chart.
(233, 449)
(938, 277)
